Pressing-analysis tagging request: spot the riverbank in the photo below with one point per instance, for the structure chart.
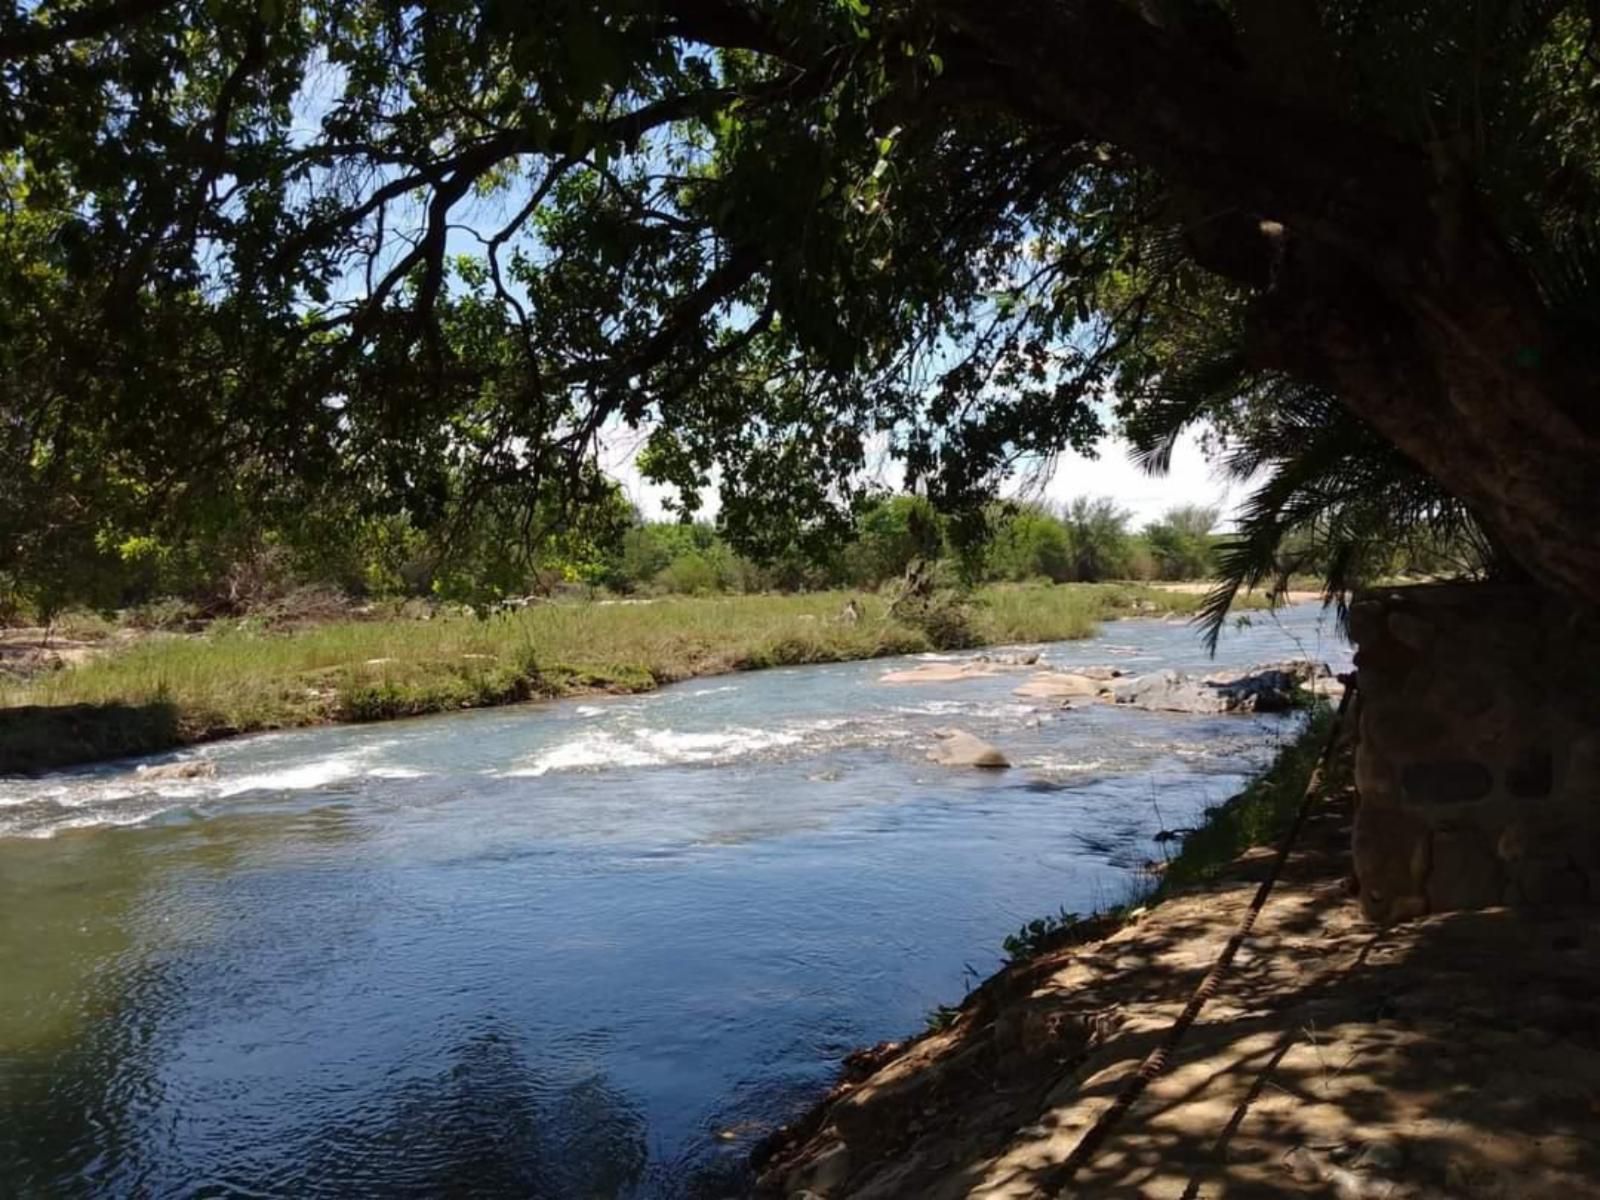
(164, 691)
(1456, 1055)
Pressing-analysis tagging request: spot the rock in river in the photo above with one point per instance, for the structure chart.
(1169, 691)
(1057, 685)
(958, 748)
(942, 672)
(1268, 688)
(194, 768)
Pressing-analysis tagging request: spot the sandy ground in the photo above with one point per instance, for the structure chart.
(1199, 587)
(24, 652)
(1455, 1057)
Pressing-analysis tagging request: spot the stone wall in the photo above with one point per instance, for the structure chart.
(1479, 756)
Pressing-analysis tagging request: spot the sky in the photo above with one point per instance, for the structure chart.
(1113, 473)
(1190, 481)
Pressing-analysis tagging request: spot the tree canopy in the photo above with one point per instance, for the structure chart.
(374, 257)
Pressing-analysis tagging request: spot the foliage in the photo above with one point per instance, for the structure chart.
(1097, 537)
(943, 617)
(1331, 498)
(1181, 543)
(941, 1017)
(891, 534)
(274, 269)
(1039, 935)
(1256, 816)
(1030, 543)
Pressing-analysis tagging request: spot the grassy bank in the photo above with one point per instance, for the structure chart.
(1258, 816)
(164, 691)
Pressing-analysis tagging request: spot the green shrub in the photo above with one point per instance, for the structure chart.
(692, 573)
(944, 617)
(1039, 935)
(1257, 816)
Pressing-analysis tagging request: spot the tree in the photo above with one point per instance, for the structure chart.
(1097, 534)
(321, 247)
(890, 534)
(1181, 543)
(1030, 543)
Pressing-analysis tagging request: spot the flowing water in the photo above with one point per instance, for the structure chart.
(583, 949)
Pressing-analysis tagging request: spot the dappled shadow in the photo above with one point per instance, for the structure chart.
(1457, 1056)
(39, 737)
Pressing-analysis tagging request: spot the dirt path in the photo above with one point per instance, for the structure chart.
(1199, 587)
(26, 652)
(1455, 1057)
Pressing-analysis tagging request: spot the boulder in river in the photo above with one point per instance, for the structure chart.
(958, 748)
(1271, 687)
(954, 670)
(194, 768)
(1027, 658)
(942, 672)
(1057, 685)
(1169, 691)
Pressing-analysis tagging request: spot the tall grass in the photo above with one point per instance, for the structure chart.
(1262, 813)
(236, 679)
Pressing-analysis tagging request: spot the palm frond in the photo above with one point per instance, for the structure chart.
(1177, 401)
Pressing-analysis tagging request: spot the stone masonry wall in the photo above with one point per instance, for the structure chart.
(1479, 757)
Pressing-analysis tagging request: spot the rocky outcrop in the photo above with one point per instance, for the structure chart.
(1271, 687)
(1058, 685)
(958, 748)
(955, 670)
(942, 672)
(194, 768)
(1025, 659)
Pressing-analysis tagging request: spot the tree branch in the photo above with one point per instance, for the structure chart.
(26, 38)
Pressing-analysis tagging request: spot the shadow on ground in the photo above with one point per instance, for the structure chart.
(37, 737)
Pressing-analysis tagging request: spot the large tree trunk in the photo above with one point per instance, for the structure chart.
(1377, 272)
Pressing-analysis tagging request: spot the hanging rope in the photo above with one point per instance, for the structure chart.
(1157, 1061)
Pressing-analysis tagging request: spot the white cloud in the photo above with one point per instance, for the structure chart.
(1113, 473)
(1191, 480)
(619, 450)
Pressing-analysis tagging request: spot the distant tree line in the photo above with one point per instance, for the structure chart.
(325, 559)
(244, 566)
(1086, 541)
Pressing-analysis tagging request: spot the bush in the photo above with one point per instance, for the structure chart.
(1031, 544)
(1097, 531)
(1039, 935)
(693, 574)
(1181, 543)
(890, 536)
(82, 625)
(943, 617)
(170, 613)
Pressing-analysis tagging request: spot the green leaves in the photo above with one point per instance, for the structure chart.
(284, 250)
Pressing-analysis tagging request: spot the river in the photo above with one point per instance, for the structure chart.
(591, 948)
